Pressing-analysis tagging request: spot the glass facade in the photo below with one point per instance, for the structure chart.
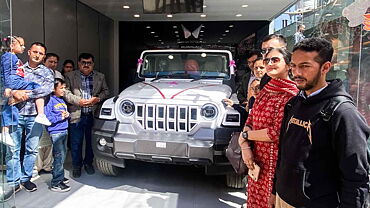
(346, 25)
(6, 193)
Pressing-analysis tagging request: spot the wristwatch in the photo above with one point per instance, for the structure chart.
(245, 135)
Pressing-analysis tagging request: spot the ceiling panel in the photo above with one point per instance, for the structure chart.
(216, 10)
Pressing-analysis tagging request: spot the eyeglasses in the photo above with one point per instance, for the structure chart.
(273, 60)
(266, 50)
(87, 63)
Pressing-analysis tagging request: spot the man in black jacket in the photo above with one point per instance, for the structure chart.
(321, 162)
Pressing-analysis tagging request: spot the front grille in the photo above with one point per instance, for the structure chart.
(171, 118)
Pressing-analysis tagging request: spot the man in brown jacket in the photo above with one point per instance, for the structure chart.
(85, 90)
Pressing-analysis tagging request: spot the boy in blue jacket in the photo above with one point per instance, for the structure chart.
(56, 112)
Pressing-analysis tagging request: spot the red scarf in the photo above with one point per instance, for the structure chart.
(281, 85)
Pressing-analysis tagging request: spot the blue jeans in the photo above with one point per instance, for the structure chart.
(59, 154)
(15, 171)
(79, 131)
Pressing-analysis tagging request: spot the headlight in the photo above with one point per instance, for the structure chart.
(127, 107)
(209, 111)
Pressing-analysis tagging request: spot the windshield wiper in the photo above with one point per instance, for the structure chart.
(204, 77)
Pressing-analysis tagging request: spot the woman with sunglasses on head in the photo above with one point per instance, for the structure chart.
(262, 128)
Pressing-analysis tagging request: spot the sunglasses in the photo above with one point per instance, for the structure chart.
(273, 60)
(266, 50)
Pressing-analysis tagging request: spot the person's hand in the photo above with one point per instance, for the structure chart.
(271, 201)
(94, 100)
(247, 153)
(228, 102)
(65, 114)
(7, 92)
(83, 102)
(20, 95)
(248, 158)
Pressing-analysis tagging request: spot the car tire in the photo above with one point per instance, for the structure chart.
(106, 168)
(234, 180)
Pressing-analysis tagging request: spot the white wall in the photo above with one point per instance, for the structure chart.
(68, 27)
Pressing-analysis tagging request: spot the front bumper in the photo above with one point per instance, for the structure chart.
(205, 147)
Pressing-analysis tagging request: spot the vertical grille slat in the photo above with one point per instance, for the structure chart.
(170, 118)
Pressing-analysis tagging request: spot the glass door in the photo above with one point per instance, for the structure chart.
(7, 196)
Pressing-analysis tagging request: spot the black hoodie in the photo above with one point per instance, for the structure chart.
(320, 163)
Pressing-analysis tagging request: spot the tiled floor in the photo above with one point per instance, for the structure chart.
(140, 185)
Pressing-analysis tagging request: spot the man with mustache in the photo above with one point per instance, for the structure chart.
(85, 89)
(323, 159)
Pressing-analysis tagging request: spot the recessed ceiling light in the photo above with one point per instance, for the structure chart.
(220, 38)
(231, 26)
(219, 41)
(169, 15)
(176, 31)
(137, 15)
(156, 36)
(204, 6)
(126, 7)
(201, 31)
(160, 40)
(148, 27)
(227, 31)
(152, 32)
(223, 34)
(238, 15)
(203, 15)
(245, 5)
(174, 26)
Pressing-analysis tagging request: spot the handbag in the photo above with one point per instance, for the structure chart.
(234, 154)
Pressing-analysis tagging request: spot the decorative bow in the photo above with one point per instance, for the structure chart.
(140, 61)
(232, 64)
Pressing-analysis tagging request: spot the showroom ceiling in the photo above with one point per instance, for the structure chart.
(212, 10)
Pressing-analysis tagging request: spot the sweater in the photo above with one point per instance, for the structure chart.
(322, 163)
(53, 111)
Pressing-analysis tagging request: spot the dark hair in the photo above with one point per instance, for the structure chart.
(280, 37)
(48, 55)
(320, 45)
(69, 61)
(286, 54)
(299, 26)
(85, 56)
(58, 81)
(39, 44)
(8, 41)
(259, 57)
(253, 52)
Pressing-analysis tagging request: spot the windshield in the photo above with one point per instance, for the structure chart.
(192, 65)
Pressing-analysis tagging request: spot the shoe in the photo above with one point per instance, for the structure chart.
(61, 187)
(29, 186)
(65, 180)
(9, 192)
(43, 171)
(89, 169)
(7, 139)
(76, 173)
(41, 118)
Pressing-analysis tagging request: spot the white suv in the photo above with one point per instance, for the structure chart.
(172, 115)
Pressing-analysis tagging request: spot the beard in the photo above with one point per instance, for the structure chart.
(310, 84)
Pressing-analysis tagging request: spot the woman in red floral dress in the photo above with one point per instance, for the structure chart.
(263, 127)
